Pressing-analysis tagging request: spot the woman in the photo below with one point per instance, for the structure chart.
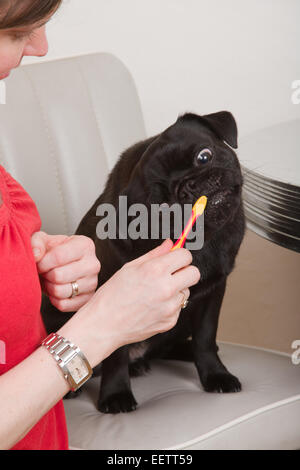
(151, 289)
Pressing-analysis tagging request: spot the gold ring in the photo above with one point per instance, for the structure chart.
(184, 301)
(184, 304)
(75, 289)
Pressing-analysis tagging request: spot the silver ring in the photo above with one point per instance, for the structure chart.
(75, 289)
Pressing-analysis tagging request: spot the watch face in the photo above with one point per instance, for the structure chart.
(78, 369)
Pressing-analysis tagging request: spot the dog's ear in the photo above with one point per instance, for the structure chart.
(224, 125)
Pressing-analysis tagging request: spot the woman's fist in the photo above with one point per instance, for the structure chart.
(62, 260)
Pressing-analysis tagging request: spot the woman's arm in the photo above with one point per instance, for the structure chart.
(140, 300)
(27, 392)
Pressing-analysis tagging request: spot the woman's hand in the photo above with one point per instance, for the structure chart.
(140, 300)
(61, 260)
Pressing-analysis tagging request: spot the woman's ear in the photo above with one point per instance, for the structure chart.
(223, 124)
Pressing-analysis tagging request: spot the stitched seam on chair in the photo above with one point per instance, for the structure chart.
(236, 421)
(93, 110)
(52, 151)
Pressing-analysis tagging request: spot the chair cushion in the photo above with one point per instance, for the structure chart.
(175, 413)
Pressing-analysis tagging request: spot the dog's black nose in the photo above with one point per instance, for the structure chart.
(186, 188)
(191, 185)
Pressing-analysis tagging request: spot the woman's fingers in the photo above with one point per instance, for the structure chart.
(73, 271)
(69, 251)
(185, 278)
(175, 260)
(41, 242)
(66, 260)
(86, 285)
(159, 251)
(70, 305)
(164, 258)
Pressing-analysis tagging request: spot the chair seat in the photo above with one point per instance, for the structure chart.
(175, 413)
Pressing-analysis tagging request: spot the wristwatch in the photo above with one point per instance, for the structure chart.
(74, 365)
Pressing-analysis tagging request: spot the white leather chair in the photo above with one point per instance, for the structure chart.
(63, 126)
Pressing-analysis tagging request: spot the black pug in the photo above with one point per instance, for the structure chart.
(192, 157)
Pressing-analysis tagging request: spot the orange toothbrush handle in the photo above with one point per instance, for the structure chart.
(197, 210)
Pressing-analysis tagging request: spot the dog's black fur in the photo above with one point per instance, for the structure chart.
(164, 168)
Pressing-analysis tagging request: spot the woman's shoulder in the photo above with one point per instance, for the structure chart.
(18, 202)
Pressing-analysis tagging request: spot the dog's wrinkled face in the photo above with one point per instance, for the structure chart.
(191, 159)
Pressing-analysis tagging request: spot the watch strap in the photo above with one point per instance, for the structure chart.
(64, 351)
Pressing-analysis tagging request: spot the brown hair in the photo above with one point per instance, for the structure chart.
(20, 13)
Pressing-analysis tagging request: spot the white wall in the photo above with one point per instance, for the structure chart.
(195, 55)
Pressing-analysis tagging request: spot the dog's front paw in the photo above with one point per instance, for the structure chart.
(221, 382)
(117, 402)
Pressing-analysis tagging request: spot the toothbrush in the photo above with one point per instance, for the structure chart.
(198, 209)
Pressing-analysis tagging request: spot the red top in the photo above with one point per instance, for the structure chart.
(21, 326)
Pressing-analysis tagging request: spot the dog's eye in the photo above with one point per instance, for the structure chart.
(204, 156)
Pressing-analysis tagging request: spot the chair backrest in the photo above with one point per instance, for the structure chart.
(63, 126)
